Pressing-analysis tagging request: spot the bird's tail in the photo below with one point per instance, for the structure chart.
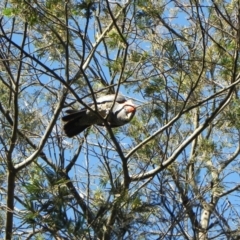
(74, 125)
(72, 114)
(71, 128)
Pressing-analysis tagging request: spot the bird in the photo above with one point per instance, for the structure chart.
(116, 113)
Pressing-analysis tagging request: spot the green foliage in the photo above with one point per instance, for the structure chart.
(85, 8)
(48, 202)
(156, 85)
(116, 65)
(114, 40)
(231, 116)
(207, 146)
(8, 12)
(172, 169)
(138, 57)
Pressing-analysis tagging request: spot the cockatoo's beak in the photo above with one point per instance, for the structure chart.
(130, 107)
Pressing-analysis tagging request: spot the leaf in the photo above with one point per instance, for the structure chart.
(8, 12)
